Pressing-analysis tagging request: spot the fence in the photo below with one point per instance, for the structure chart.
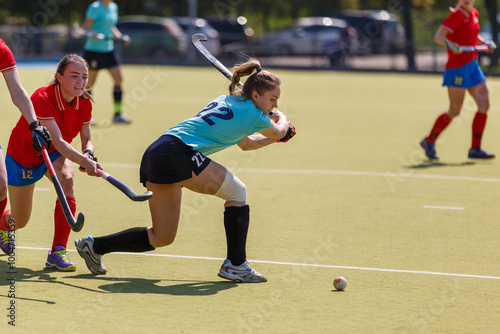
(51, 43)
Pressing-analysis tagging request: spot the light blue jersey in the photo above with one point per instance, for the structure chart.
(224, 122)
(105, 18)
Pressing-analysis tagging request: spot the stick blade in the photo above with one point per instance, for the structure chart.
(77, 227)
(196, 38)
(141, 198)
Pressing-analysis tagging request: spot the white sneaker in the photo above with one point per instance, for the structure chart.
(242, 273)
(85, 248)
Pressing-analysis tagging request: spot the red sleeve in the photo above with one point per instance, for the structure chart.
(41, 103)
(7, 61)
(452, 21)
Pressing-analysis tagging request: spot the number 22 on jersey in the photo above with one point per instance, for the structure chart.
(207, 117)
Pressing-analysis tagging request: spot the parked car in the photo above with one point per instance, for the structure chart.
(235, 34)
(152, 36)
(378, 30)
(192, 26)
(312, 36)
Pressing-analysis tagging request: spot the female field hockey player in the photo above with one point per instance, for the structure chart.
(179, 159)
(64, 108)
(39, 134)
(101, 18)
(462, 73)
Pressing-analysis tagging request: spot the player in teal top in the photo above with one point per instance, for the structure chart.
(104, 20)
(100, 53)
(178, 160)
(208, 132)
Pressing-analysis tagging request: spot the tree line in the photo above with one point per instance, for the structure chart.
(45, 12)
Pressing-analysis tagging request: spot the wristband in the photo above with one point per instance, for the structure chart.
(90, 154)
(34, 125)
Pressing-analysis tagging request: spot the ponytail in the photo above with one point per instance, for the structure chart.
(260, 81)
(242, 70)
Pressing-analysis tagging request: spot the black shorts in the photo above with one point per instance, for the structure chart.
(168, 160)
(100, 60)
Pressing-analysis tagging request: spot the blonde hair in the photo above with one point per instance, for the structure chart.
(260, 81)
(61, 67)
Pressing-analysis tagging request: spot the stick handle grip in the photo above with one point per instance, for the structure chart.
(46, 158)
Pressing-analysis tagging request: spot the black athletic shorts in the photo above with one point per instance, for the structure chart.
(100, 60)
(168, 160)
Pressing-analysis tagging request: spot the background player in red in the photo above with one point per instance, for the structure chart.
(64, 107)
(21, 100)
(462, 73)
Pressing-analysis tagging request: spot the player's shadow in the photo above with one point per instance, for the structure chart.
(437, 164)
(158, 286)
(116, 284)
(12, 277)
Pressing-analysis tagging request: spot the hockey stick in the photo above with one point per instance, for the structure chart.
(196, 40)
(124, 188)
(85, 33)
(471, 48)
(76, 225)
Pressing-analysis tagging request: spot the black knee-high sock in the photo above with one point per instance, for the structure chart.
(117, 96)
(133, 240)
(236, 221)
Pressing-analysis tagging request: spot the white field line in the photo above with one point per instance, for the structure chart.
(368, 173)
(339, 172)
(443, 207)
(295, 264)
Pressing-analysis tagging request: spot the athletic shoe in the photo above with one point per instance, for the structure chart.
(478, 153)
(59, 260)
(242, 273)
(7, 243)
(121, 119)
(85, 248)
(430, 152)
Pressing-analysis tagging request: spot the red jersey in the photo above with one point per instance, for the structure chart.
(464, 28)
(7, 62)
(49, 105)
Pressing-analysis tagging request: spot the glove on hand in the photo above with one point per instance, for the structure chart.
(289, 134)
(89, 155)
(40, 136)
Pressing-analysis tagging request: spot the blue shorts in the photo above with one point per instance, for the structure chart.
(168, 160)
(18, 175)
(466, 76)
